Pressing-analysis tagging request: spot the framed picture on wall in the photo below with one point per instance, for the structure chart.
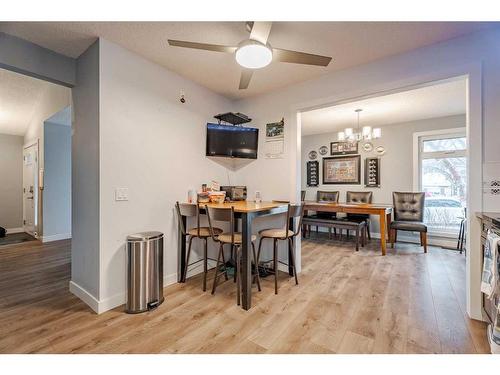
(342, 170)
(343, 148)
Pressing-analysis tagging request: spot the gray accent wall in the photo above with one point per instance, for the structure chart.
(57, 181)
(11, 181)
(85, 174)
(27, 58)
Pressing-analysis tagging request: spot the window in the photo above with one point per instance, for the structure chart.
(442, 175)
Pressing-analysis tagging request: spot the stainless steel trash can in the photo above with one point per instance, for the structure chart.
(144, 271)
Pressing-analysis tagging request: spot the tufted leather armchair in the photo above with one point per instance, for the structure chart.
(409, 215)
(360, 197)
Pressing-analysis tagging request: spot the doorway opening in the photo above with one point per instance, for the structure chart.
(35, 139)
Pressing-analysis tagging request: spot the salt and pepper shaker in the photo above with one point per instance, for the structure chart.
(258, 197)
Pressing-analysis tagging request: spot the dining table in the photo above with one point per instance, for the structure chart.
(246, 211)
(383, 211)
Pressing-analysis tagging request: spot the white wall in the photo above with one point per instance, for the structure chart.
(57, 182)
(476, 54)
(396, 164)
(153, 145)
(11, 185)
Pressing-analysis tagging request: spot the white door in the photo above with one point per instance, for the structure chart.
(30, 189)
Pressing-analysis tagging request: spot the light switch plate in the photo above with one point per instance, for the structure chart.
(121, 194)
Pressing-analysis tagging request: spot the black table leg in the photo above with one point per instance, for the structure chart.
(181, 252)
(290, 249)
(246, 260)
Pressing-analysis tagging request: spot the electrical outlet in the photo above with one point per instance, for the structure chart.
(121, 194)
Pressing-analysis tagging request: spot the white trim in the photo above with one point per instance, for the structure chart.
(101, 306)
(14, 230)
(473, 73)
(55, 237)
(416, 149)
(85, 296)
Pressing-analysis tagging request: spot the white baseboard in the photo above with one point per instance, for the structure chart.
(432, 240)
(14, 230)
(85, 296)
(55, 237)
(101, 306)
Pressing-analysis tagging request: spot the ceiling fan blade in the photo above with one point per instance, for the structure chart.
(260, 31)
(246, 75)
(296, 57)
(203, 46)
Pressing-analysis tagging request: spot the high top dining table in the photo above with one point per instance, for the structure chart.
(383, 211)
(246, 211)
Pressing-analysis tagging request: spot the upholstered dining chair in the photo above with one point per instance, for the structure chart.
(409, 216)
(283, 234)
(232, 238)
(360, 197)
(203, 233)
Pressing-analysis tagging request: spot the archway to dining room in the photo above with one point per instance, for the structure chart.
(356, 158)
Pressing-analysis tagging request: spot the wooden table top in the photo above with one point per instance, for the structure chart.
(245, 206)
(348, 207)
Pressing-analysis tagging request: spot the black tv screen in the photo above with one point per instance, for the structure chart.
(232, 141)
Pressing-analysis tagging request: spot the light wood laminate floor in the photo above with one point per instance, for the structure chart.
(346, 302)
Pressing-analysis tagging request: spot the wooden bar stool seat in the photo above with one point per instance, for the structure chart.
(280, 234)
(226, 238)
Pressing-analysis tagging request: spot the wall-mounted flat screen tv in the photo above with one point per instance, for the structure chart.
(232, 141)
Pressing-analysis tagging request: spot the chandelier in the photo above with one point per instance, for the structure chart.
(366, 133)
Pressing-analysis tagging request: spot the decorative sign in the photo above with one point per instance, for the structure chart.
(313, 155)
(343, 148)
(342, 170)
(312, 173)
(372, 172)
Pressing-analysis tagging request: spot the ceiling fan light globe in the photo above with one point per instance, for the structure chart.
(253, 55)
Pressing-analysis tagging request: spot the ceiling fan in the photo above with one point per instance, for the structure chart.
(254, 52)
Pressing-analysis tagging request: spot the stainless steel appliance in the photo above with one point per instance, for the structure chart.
(144, 271)
(235, 193)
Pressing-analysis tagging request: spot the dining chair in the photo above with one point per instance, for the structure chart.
(302, 195)
(203, 233)
(408, 216)
(360, 197)
(283, 234)
(234, 239)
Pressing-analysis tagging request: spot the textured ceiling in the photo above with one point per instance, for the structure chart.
(439, 100)
(19, 96)
(349, 43)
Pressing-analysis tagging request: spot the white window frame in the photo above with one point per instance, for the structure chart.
(418, 156)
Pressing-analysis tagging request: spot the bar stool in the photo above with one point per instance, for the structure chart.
(283, 234)
(229, 238)
(203, 233)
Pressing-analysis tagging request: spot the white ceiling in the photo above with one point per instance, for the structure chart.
(439, 100)
(349, 43)
(19, 96)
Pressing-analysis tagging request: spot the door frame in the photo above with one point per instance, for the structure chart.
(36, 189)
(472, 72)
